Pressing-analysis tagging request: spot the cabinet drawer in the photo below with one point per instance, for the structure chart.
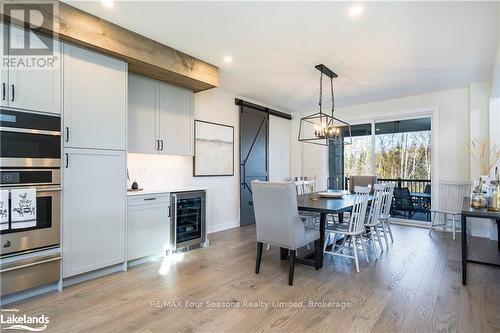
(147, 199)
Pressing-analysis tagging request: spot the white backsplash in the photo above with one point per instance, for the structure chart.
(156, 171)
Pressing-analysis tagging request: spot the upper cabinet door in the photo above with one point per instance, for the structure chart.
(176, 120)
(34, 87)
(95, 100)
(142, 115)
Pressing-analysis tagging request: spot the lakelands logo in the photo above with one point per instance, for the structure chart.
(28, 35)
(10, 319)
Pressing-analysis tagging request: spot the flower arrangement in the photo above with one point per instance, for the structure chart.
(486, 156)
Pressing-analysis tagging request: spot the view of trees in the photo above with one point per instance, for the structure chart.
(406, 155)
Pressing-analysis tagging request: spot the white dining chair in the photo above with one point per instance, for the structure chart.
(385, 212)
(372, 221)
(451, 198)
(352, 231)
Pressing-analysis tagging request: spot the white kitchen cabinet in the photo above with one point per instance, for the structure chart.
(95, 100)
(171, 122)
(142, 115)
(147, 225)
(176, 120)
(94, 209)
(35, 88)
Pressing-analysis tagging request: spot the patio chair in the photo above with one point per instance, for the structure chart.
(451, 198)
(404, 203)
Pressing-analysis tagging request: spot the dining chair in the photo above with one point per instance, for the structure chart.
(451, 198)
(373, 221)
(385, 212)
(352, 231)
(361, 181)
(278, 222)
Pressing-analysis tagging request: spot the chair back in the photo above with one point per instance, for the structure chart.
(361, 181)
(387, 199)
(277, 217)
(451, 196)
(375, 207)
(358, 214)
(305, 186)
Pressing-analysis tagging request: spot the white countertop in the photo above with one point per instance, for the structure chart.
(165, 190)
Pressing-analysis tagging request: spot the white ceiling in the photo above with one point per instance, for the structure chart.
(393, 49)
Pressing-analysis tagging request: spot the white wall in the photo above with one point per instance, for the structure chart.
(215, 105)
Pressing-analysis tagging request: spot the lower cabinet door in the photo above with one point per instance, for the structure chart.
(94, 209)
(147, 230)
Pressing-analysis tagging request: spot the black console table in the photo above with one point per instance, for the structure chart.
(468, 211)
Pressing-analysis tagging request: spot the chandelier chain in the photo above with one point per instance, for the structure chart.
(320, 91)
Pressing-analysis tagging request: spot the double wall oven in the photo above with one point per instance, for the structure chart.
(30, 159)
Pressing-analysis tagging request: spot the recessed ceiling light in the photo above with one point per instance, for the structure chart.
(228, 59)
(107, 3)
(356, 10)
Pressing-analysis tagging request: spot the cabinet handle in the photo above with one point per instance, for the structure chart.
(149, 199)
(67, 160)
(3, 91)
(158, 145)
(67, 134)
(13, 93)
(161, 145)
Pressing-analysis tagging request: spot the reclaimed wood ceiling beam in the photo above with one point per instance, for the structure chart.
(143, 55)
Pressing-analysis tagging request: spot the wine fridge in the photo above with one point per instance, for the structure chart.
(187, 219)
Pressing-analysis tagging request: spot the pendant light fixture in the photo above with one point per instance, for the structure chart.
(323, 128)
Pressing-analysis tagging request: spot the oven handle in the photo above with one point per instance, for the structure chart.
(29, 131)
(30, 264)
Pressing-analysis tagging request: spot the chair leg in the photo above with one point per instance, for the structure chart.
(432, 223)
(445, 222)
(373, 231)
(259, 257)
(453, 221)
(379, 240)
(389, 229)
(355, 249)
(385, 235)
(291, 267)
(362, 239)
(317, 250)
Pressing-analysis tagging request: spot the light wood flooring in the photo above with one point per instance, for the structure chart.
(414, 286)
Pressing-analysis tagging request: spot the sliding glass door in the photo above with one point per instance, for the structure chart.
(395, 151)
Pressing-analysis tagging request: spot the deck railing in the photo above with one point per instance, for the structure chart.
(414, 185)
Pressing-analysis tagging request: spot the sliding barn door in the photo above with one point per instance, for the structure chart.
(254, 157)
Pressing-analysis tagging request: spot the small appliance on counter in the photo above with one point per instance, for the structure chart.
(188, 212)
(132, 186)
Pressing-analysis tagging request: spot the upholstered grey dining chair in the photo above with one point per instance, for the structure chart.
(362, 181)
(278, 222)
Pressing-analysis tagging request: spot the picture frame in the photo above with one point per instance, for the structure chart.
(213, 149)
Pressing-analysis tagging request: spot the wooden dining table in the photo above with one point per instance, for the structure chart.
(312, 202)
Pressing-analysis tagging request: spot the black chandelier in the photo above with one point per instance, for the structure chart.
(322, 128)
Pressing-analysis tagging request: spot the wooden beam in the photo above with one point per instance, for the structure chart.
(143, 55)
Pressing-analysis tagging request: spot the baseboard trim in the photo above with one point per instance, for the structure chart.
(222, 226)
(69, 281)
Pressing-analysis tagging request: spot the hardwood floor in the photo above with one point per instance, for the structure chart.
(414, 286)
